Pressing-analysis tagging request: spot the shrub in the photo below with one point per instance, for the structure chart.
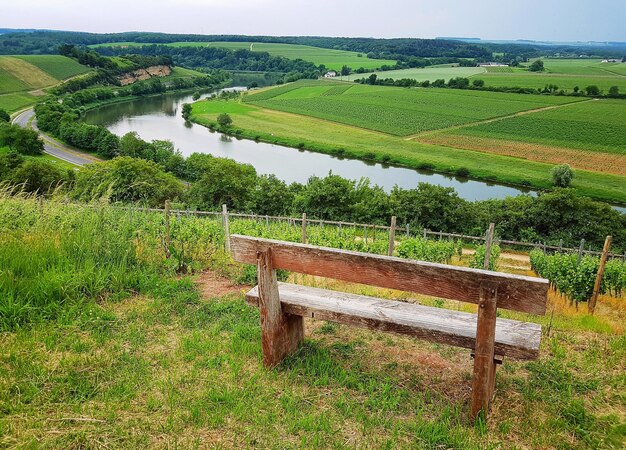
(562, 175)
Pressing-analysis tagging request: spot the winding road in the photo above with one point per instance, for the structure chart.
(26, 119)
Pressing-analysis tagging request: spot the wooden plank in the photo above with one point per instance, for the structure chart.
(226, 228)
(392, 236)
(518, 340)
(591, 306)
(484, 366)
(281, 333)
(515, 292)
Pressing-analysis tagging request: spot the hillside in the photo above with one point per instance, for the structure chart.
(23, 77)
(107, 345)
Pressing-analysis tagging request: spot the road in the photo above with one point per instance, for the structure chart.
(51, 145)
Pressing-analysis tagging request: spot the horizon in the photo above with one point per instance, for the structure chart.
(557, 21)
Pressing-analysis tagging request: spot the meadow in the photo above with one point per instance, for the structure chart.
(294, 130)
(20, 76)
(588, 135)
(332, 59)
(400, 112)
(117, 350)
(424, 74)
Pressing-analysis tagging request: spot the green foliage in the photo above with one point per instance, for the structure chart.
(478, 261)
(4, 116)
(576, 280)
(562, 175)
(536, 66)
(424, 250)
(126, 179)
(22, 140)
(39, 177)
(186, 111)
(224, 120)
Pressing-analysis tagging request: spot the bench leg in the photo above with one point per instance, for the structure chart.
(280, 333)
(483, 382)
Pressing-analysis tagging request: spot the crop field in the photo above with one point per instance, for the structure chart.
(565, 73)
(400, 112)
(588, 135)
(294, 130)
(332, 59)
(428, 73)
(57, 66)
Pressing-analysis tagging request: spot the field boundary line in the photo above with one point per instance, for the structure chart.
(495, 119)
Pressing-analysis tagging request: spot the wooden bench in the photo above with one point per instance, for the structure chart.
(283, 306)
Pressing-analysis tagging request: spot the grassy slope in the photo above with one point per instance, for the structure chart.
(46, 158)
(57, 66)
(333, 138)
(170, 368)
(427, 73)
(332, 59)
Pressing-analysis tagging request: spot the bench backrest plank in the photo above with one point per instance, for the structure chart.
(515, 292)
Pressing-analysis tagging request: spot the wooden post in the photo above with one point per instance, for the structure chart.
(280, 333)
(392, 236)
(168, 238)
(365, 234)
(484, 370)
(596, 287)
(407, 231)
(424, 233)
(226, 228)
(267, 222)
(304, 228)
(488, 243)
(580, 250)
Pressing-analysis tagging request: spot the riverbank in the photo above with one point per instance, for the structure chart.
(345, 141)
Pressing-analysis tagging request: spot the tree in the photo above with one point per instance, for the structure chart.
(478, 83)
(562, 175)
(21, 140)
(614, 91)
(592, 90)
(224, 120)
(272, 196)
(38, 176)
(372, 79)
(4, 116)
(345, 70)
(127, 180)
(536, 66)
(187, 109)
(196, 95)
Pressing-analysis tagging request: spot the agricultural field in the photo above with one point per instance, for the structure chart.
(426, 74)
(400, 112)
(565, 73)
(588, 135)
(299, 131)
(332, 59)
(23, 77)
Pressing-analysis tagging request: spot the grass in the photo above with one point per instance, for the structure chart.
(57, 66)
(332, 59)
(298, 131)
(396, 111)
(16, 101)
(565, 73)
(136, 357)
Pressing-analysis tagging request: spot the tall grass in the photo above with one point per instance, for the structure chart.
(55, 258)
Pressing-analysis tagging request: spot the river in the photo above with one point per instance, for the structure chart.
(160, 118)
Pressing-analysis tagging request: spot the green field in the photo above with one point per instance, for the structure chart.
(396, 111)
(57, 66)
(565, 73)
(425, 74)
(19, 75)
(252, 121)
(332, 59)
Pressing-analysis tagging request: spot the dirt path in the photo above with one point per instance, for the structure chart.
(214, 285)
(494, 119)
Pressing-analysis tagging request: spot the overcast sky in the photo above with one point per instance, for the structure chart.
(556, 20)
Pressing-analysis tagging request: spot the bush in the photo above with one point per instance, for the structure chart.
(224, 120)
(4, 116)
(462, 172)
(562, 175)
(39, 177)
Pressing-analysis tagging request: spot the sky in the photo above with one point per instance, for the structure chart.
(554, 20)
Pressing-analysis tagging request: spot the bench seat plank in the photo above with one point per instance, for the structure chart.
(518, 340)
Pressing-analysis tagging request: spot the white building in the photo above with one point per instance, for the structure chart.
(330, 74)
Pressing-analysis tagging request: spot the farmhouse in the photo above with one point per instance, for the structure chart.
(610, 60)
(330, 74)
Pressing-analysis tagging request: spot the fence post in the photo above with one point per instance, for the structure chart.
(580, 251)
(304, 228)
(488, 242)
(407, 231)
(226, 228)
(168, 238)
(392, 235)
(596, 287)
(424, 233)
(267, 222)
(365, 234)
